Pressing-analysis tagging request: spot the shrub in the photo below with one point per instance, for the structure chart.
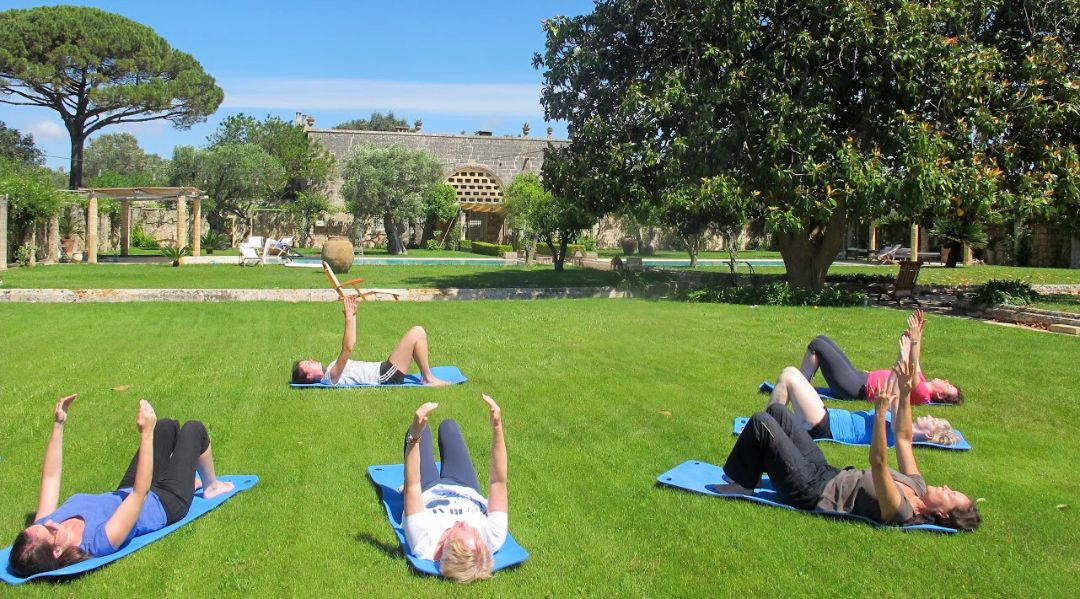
(778, 294)
(433, 244)
(542, 248)
(490, 249)
(465, 244)
(175, 253)
(861, 279)
(141, 239)
(214, 241)
(24, 255)
(1001, 291)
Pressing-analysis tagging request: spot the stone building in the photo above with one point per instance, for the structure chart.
(478, 167)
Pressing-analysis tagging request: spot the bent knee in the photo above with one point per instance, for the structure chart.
(790, 372)
(418, 331)
(817, 342)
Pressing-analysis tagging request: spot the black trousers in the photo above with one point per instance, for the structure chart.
(843, 378)
(775, 442)
(457, 468)
(176, 455)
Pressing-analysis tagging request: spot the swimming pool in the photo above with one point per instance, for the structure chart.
(365, 261)
(708, 262)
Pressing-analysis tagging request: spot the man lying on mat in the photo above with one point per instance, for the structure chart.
(156, 491)
(412, 347)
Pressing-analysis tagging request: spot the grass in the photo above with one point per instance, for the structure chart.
(598, 398)
(1059, 303)
(681, 255)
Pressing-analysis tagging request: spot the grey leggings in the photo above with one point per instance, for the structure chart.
(845, 381)
(457, 468)
(176, 456)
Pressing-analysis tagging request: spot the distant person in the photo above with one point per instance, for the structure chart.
(156, 491)
(412, 347)
(847, 382)
(447, 518)
(775, 442)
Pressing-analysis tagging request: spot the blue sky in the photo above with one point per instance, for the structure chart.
(455, 65)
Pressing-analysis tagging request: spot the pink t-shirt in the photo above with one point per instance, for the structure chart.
(877, 378)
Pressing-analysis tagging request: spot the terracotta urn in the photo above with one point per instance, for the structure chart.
(338, 253)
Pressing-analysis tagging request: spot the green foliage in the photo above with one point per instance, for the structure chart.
(859, 278)
(544, 214)
(31, 192)
(489, 249)
(141, 239)
(961, 231)
(1002, 291)
(16, 147)
(24, 255)
(307, 165)
(391, 183)
(212, 240)
(433, 244)
(465, 244)
(175, 253)
(98, 69)
(377, 122)
(117, 160)
(570, 249)
(778, 294)
(235, 176)
(69, 226)
(440, 203)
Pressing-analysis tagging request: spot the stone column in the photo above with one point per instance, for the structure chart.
(125, 227)
(968, 259)
(3, 232)
(871, 238)
(196, 226)
(181, 221)
(52, 240)
(91, 230)
(913, 243)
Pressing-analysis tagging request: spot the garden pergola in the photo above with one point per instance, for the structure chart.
(127, 195)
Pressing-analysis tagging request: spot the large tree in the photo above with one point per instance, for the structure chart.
(120, 154)
(97, 69)
(391, 183)
(810, 114)
(377, 122)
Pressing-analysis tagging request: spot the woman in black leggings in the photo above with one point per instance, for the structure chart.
(156, 491)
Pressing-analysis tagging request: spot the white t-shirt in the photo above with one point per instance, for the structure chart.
(354, 373)
(443, 506)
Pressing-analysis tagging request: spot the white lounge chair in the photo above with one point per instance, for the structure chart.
(887, 255)
(279, 247)
(249, 256)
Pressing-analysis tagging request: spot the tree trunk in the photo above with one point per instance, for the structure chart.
(808, 255)
(76, 176)
(393, 236)
(955, 251)
(428, 232)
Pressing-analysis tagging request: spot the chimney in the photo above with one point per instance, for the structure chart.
(298, 119)
(550, 131)
(310, 122)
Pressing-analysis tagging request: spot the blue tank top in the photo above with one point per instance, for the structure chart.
(855, 427)
(95, 511)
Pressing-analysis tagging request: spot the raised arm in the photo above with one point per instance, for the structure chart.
(414, 502)
(119, 525)
(53, 466)
(904, 371)
(498, 499)
(915, 324)
(888, 495)
(348, 339)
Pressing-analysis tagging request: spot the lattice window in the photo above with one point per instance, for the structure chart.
(476, 186)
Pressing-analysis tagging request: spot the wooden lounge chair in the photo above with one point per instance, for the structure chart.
(903, 286)
(353, 284)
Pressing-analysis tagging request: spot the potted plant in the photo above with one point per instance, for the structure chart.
(175, 253)
(69, 227)
(214, 241)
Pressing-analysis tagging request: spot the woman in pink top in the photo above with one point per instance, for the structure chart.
(847, 382)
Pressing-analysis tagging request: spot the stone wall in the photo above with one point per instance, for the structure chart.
(1050, 246)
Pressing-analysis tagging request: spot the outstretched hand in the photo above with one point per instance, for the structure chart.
(496, 411)
(915, 324)
(62, 407)
(884, 394)
(348, 302)
(147, 418)
(420, 419)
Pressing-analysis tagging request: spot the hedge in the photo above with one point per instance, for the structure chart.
(490, 249)
(542, 248)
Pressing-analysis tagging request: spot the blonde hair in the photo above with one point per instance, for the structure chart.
(462, 563)
(942, 433)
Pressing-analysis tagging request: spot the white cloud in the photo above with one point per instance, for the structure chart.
(46, 130)
(486, 99)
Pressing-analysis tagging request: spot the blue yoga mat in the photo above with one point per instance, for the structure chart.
(961, 444)
(692, 475)
(826, 393)
(199, 506)
(390, 479)
(446, 373)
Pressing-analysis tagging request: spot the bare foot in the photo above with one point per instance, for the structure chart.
(434, 382)
(216, 488)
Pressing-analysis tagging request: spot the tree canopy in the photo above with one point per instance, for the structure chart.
(390, 183)
(18, 147)
(236, 178)
(377, 122)
(119, 156)
(812, 115)
(97, 69)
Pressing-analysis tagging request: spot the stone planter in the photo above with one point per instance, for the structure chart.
(338, 253)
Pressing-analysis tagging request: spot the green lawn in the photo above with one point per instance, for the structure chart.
(939, 275)
(1059, 302)
(598, 398)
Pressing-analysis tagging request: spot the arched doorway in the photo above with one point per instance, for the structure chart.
(480, 198)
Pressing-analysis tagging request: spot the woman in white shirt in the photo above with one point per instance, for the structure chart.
(447, 518)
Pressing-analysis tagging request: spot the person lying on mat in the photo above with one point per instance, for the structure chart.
(412, 347)
(848, 382)
(820, 422)
(775, 442)
(447, 518)
(156, 491)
